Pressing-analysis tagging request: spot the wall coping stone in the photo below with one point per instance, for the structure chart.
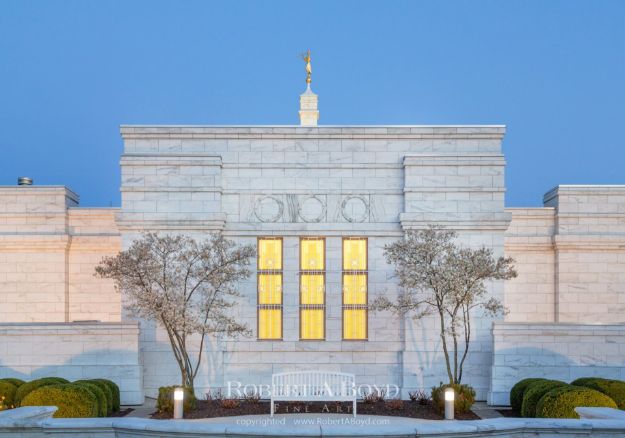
(537, 326)
(600, 413)
(32, 413)
(38, 189)
(29, 420)
(584, 189)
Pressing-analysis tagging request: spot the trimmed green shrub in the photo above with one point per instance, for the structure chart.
(27, 387)
(534, 392)
(73, 401)
(7, 395)
(14, 381)
(106, 389)
(464, 399)
(165, 401)
(114, 390)
(615, 389)
(583, 381)
(518, 391)
(562, 401)
(99, 395)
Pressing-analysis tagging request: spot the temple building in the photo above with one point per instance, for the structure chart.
(319, 203)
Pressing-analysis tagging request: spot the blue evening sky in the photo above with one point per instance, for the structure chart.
(72, 71)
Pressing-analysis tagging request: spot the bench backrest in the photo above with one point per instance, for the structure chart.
(313, 384)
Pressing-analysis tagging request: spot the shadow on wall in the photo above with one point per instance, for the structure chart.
(120, 366)
(513, 364)
(424, 360)
(161, 369)
(427, 359)
(253, 362)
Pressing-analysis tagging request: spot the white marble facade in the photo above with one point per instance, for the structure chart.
(333, 182)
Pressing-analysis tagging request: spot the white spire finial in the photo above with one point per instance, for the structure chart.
(308, 113)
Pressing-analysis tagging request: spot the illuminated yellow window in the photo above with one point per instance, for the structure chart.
(355, 279)
(354, 254)
(270, 254)
(270, 288)
(312, 288)
(269, 283)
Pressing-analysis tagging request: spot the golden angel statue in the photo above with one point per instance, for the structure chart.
(306, 58)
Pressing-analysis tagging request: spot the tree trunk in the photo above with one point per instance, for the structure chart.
(444, 340)
(466, 315)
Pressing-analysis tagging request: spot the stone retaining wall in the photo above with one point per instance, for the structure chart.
(554, 351)
(74, 351)
(33, 424)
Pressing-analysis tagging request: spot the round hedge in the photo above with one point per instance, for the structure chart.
(615, 389)
(73, 401)
(114, 390)
(465, 397)
(106, 389)
(562, 401)
(533, 393)
(518, 391)
(165, 401)
(99, 395)
(583, 381)
(7, 395)
(14, 381)
(27, 387)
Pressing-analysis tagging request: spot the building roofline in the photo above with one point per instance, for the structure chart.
(306, 127)
(325, 131)
(40, 188)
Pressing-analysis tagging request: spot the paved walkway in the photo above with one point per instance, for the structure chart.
(143, 411)
(484, 411)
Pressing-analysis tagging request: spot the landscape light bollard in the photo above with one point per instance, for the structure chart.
(449, 403)
(178, 401)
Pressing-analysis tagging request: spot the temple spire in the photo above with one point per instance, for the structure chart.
(308, 113)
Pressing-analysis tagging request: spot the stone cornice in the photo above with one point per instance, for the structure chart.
(212, 222)
(34, 242)
(162, 159)
(455, 159)
(93, 211)
(314, 228)
(573, 242)
(465, 221)
(65, 328)
(583, 190)
(307, 165)
(532, 212)
(529, 243)
(96, 243)
(559, 327)
(25, 190)
(329, 132)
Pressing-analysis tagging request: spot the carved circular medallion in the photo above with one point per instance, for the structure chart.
(355, 208)
(268, 209)
(311, 209)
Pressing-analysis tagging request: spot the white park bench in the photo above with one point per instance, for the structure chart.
(313, 386)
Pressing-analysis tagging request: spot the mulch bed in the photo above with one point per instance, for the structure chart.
(122, 413)
(213, 408)
(509, 413)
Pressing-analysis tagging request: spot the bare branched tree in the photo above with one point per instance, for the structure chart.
(441, 278)
(186, 286)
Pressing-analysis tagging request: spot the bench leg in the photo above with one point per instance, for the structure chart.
(271, 408)
(354, 408)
